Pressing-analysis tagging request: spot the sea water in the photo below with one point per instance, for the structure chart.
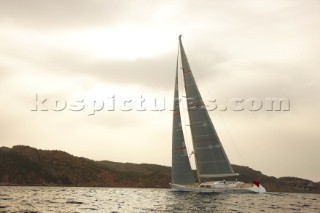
(96, 199)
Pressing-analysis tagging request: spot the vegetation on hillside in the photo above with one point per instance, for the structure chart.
(24, 165)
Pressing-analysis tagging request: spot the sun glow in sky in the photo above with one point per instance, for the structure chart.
(121, 42)
(94, 50)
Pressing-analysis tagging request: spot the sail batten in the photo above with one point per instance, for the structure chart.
(210, 157)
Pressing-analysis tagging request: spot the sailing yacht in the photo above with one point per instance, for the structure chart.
(210, 158)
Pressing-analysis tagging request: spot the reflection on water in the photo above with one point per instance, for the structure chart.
(74, 199)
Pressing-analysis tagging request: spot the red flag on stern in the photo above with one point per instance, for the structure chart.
(256, 182)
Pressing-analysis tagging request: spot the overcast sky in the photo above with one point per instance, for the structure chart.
(91, 50)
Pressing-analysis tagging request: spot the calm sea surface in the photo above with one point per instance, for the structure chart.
(73, 199)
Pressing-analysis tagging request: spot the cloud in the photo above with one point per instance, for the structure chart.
(70, 14)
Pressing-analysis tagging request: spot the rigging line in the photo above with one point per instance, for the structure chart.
(198, 73)
(220, 116)
(245, 163)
